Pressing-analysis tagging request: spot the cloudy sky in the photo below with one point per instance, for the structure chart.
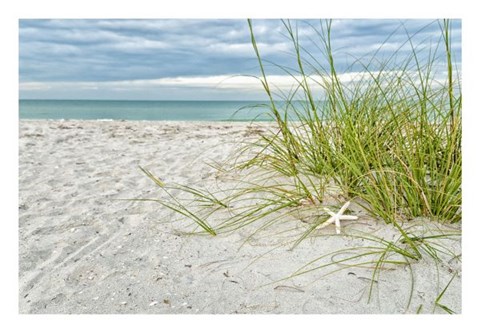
(193, 59)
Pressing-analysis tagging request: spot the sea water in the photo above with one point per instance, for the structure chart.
(144, 110)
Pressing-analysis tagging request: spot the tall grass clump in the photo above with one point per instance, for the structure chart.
(389, 137)
(386, 136)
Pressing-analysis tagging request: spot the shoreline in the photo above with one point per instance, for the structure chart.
(147, 120)
(81, 250)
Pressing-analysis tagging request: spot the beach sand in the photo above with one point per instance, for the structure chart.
(83, 251)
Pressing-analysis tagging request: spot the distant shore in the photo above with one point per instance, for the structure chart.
(83, 251)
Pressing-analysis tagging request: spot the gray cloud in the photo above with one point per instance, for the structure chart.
(119, 50)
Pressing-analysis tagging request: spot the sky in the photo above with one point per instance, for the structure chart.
(207, 59)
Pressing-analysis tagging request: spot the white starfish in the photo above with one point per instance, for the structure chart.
(337, 217)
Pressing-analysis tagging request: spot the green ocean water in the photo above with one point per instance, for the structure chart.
(143, 110)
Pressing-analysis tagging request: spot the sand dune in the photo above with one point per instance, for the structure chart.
(83, 251)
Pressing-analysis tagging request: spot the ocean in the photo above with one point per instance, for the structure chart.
(143, 110)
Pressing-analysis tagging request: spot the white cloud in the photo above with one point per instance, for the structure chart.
(29, 86)
(136, 44)
(56, 49)
(234, 87)
(245, 49)
(237, 82)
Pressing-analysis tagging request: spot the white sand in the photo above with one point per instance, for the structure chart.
(82, 251)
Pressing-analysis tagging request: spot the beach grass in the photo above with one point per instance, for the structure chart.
(388, 139)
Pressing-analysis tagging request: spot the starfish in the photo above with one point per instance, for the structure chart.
(337, 217)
